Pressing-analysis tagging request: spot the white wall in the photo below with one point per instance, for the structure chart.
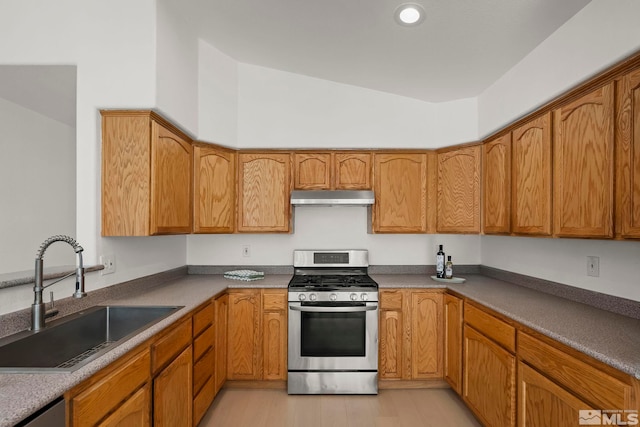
(277, 109)
(565, 261)
(38, 178)
(176, 68)
(330, 228)
(218, 96)
(113, 45)
(598, 36)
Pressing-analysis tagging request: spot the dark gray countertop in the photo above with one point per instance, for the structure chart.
(611, 338)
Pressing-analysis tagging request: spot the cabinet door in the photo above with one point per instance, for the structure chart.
(172, 393)
(496, 187)
(531, 178)
(352, 171)
(393, 340)
(263, 192)
(459, 191)
(489, 380)
(135, 412)
(244, 352)
(400, 184)
(275, 345)
(583, 141)
(453, 342)
(126, 172)
(214, 203)
(542, 403)
(390, 351)
(426, 335)
(312, 171)
(171, 167)
(628, 156)
(222, 311)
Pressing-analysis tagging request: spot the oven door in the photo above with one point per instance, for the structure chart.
(333, 336)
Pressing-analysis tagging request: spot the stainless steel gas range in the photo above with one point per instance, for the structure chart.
(333, 324)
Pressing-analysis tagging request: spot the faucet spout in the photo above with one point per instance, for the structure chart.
(38, 308)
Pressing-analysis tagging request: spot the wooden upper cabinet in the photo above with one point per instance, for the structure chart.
(628, 156)
(214, 203)
(400, 187)
(312, 171)
(331, 171)
(146, 175)
(496, 185)
(459, 190)
(264, 187)
(583, 141)
(352, 171)
(531, 178)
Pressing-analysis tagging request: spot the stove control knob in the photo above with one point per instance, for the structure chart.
(364, 297)
(302, 297)
(333, 297)
(354, 297)
(313, 297)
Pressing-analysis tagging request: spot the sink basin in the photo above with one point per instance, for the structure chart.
(73, 341)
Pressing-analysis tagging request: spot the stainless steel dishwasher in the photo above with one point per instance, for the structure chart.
(51, 415)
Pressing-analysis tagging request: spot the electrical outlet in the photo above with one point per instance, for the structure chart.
(593, 266)
(109, 262)
(246, 251)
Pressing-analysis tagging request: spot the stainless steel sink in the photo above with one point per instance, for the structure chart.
(73, 341)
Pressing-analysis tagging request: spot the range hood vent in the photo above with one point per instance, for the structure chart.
(332, 198)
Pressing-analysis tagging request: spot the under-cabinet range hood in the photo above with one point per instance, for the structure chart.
(332, 198)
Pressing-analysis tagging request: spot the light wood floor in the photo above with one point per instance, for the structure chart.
(390, 408)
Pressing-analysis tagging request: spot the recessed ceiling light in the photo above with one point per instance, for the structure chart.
(409, 14)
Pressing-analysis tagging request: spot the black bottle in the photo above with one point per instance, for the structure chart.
(440, 263)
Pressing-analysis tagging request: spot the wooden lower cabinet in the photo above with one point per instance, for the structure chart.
(221, 312)
(542, 403)
(489, 385)
(135, 412)
(204, 357)
(275, 330)
(172, 393)
(257, 335)
(453, 318)
(410, 334)
(244, 334)
(108, 392)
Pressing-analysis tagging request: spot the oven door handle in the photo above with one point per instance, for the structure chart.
(333, 309)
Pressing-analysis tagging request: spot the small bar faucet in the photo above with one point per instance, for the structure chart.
(38, 308)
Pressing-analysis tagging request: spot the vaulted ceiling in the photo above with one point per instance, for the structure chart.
(460, 48)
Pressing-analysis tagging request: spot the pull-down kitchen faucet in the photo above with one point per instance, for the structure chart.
(38, 307)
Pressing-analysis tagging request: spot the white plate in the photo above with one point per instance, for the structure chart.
(452, 280)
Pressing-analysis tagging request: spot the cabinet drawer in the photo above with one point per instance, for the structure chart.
(91, 405)
(202, 319)
(494, 328)
(391, 300)
(203, 342)
(170, 345)
(203, 370)
(592, 384)
(202, 401)
(274, 301)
